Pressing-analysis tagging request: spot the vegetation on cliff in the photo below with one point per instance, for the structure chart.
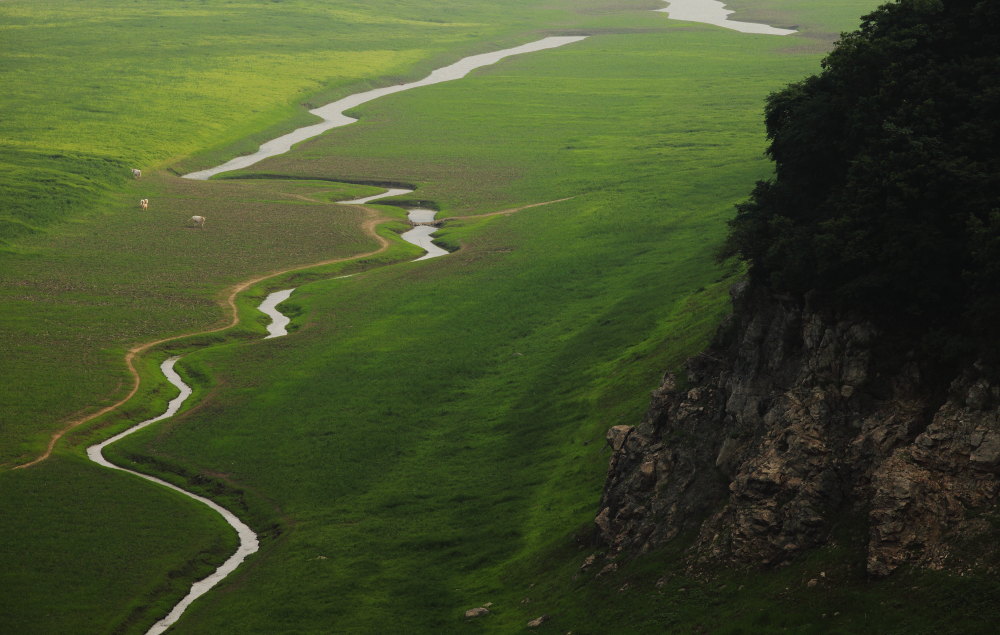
(886, 199)
(840, 439)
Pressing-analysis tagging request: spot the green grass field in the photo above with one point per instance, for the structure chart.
(184, 85)
(430, 436)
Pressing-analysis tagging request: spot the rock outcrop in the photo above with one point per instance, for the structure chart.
(792, 419)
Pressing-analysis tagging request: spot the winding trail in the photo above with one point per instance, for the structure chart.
(509, 211)
(249, 542)
(229, 303)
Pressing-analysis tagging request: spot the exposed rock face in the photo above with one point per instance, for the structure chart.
(538, 621)
(479, 611)
(791, 419)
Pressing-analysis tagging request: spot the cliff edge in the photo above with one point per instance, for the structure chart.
(793, 418)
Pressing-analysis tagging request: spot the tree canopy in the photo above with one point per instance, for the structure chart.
(886, 194)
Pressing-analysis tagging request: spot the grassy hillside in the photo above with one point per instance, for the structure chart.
(88, 551)
(90, 90)
(181, 79)
(431, 424)
(431, 430)
(96, 87)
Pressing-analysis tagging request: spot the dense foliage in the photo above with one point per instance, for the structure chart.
(886, 198)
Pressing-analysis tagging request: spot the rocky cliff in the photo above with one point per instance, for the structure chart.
(792, 419)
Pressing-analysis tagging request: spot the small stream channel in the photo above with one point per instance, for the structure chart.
(269, 307)
(248, 539)
(420, 235)
(422, 219)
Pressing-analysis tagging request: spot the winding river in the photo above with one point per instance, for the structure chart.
(248, 539)
(249, 542)
(333, 116)
(421, 218)
(333, 113)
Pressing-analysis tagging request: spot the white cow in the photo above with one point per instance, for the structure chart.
(199, 221)
(144, 203)
(136, 173)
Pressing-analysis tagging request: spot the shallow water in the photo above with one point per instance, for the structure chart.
(248, 539)
(333, 113)
(714, 12)
(420, 215)
(269, 307)
(421, 237)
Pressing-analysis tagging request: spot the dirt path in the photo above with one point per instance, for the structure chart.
(505, 212)
(229, 302)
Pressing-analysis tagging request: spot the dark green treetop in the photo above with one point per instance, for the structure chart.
(886, 196)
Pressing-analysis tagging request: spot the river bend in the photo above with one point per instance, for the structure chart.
(249, 542)
(279, 321)
(422, 220)
(248, 539)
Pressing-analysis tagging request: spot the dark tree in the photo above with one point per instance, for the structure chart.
(886, 195)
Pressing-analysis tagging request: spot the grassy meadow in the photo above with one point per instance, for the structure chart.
(430, 436)
(158, 84)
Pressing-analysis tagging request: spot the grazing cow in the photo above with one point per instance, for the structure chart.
(199, 221)
(136, 173)
(144, 203)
